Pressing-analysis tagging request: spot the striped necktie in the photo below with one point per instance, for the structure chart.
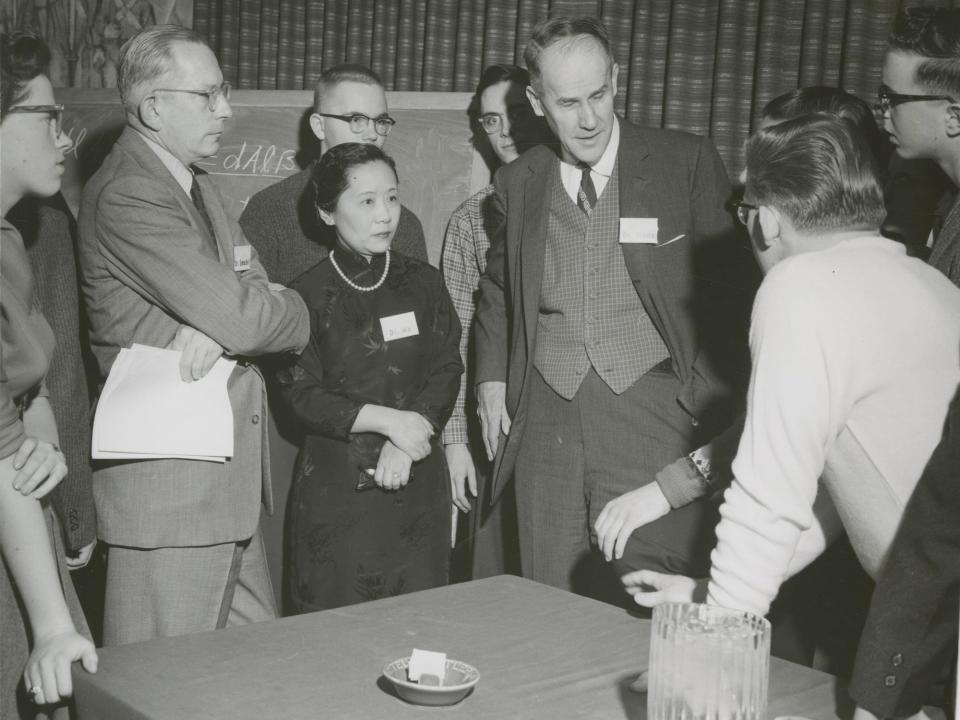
(587, 195)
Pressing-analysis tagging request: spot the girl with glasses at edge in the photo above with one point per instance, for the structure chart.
(31, 464)
(504, 126)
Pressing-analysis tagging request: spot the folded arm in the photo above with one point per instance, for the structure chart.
(151, 247)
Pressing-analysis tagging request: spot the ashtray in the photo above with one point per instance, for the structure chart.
(459, 679)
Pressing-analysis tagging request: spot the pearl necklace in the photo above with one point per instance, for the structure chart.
(348, 281)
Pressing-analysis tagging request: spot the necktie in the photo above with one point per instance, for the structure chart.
(587, 195)
(197, 198)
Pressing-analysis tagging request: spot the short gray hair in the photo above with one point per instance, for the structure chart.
(147, 56)
(559, 29)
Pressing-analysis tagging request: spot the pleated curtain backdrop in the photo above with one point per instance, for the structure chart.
(706, 66)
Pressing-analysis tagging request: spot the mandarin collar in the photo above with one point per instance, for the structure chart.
(355, 266)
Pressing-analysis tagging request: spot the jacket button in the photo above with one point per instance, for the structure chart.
(890, 680)
(255, 419)
(694, 422)
(897, 660)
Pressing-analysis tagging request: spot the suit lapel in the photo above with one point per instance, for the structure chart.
(218, 218)
(638, 199)
(533, 243)
(131, 141)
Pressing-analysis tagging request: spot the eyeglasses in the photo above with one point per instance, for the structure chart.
(887, 98)
(212, 96)
(491, 122)
(359, 122)
(54, 112)
(743, 211)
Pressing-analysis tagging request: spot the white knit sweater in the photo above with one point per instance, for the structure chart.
(856, 354)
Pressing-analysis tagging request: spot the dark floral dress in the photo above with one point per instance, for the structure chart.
(347, 545)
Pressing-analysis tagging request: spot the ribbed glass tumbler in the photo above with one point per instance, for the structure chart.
(707, 663)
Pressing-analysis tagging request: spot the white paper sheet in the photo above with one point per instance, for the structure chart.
(146, 411)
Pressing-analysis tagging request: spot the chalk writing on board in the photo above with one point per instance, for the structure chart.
(267, 161)
(77, 135)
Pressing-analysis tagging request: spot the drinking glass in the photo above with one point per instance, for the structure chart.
(707, 663)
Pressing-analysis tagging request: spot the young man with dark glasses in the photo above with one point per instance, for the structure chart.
(919, 101)
(350, 106)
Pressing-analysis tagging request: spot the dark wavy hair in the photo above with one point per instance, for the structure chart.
(818, 171)
(933, 34)
(329, 176)
(23, 56)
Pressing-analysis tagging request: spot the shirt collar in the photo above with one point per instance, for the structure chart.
(183, 175)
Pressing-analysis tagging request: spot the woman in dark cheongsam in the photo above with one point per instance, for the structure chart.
(370, 504)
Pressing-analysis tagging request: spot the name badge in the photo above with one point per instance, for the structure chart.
(399, 326)
(638, 230)
(241, 257)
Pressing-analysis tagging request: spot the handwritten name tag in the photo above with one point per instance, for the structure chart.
(399, 326)
(241, 258)
(638, 230)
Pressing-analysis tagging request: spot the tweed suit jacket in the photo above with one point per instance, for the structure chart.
(148, 266)
(696, 284)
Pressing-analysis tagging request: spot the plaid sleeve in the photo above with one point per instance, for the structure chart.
(464, 252)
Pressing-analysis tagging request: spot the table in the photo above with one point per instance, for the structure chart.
(541, 652)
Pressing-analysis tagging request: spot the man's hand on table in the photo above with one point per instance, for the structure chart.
(492, 409)
(622, 515)
(198, 352)
(650, 588)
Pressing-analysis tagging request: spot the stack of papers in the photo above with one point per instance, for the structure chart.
(146, 411)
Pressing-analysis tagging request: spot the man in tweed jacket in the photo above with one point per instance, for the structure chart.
(164, 265)
(615, 272)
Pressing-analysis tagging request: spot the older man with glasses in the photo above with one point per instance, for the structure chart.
(349, 105)
(921, 113)
(164, 265)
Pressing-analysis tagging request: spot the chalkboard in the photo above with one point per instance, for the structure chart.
(268, 139)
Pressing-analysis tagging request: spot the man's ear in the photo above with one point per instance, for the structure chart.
(953, 120)
(768, 222)
(614, 74)
(534, 100)
(316, 124)
(148, 113)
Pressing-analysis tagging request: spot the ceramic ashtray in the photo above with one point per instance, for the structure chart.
(458, 681)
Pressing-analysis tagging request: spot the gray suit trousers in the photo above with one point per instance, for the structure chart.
(163, 592)
(577, 455)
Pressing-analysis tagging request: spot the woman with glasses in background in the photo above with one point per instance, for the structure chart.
(51, 633)
(504, 126)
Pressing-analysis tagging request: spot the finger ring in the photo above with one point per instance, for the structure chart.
(35, 692)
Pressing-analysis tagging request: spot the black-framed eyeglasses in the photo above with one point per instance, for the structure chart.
(54, 112)
(887, 98)
(359, 122)
(212, 96)
(743, 211)
(491, 122)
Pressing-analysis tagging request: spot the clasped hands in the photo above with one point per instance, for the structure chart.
(408, 439)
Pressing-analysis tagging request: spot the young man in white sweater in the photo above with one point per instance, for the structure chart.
(856, 354)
